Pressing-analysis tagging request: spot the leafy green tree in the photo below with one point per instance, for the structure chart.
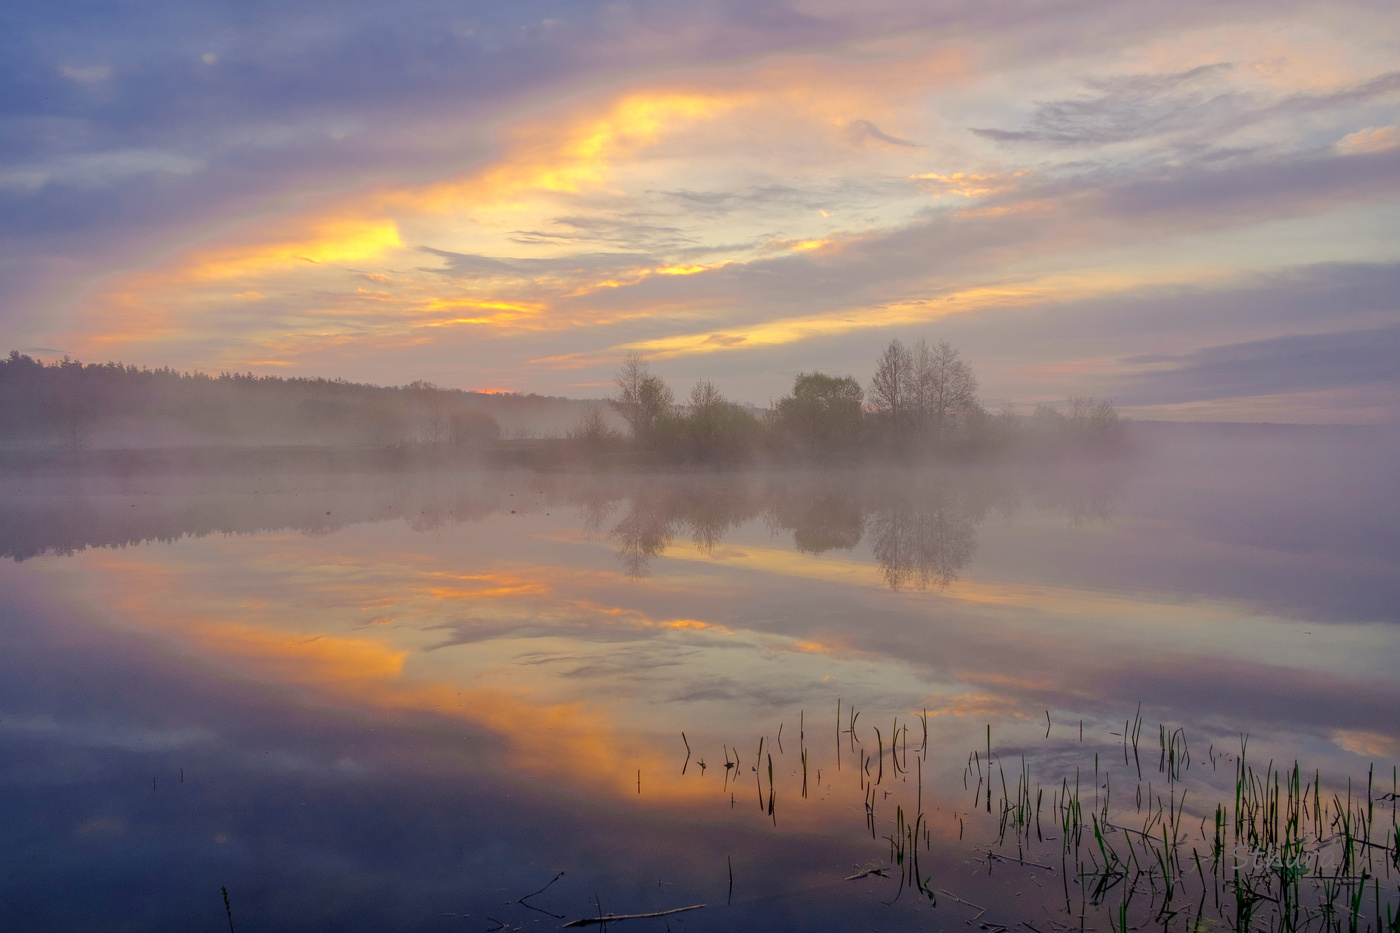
(821, 416)
(711, 429)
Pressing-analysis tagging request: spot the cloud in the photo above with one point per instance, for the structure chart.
(97, 169)
(968, 184)
(459, 200)
(862, 130)
(1125, 107)
(724, 200)
(86, 74)
(1367, 744)
(1299, 363)
(1236, 191)
(1371, 139)
(1199, 104)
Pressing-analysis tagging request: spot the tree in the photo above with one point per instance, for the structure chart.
(946, 389)
(821, 415)
(472, 428)
(642, 397)
(1093, 423)
(432, 401)
(75, 404)
(715, 429)
(894, 378)
(592, 436)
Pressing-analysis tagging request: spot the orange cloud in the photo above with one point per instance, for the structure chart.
(297, 637)
(1371, 139)
(791, 330)
(1010, 210)
(321, 659)
(967, 184)
(1367, 743)
(570, 159)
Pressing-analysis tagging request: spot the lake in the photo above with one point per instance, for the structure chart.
(503, 700)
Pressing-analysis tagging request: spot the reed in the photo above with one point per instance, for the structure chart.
(228, 910)
(1165, 855)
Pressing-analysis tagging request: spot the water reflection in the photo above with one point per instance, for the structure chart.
(399, 698)
(920, 525)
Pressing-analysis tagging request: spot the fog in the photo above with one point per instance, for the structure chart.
(407, 692)
(70, 407)
(921, 407)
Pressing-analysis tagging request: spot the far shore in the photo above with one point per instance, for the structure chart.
(540, 453)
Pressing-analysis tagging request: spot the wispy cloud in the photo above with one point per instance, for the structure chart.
(1199, 104)
(1128, 107)
(1371, 139)
(722, 188)
(1297, 363)
(96, 169)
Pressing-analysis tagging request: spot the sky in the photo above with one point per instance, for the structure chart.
(1189, 208)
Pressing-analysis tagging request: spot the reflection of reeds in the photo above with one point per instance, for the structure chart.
(1139, 858)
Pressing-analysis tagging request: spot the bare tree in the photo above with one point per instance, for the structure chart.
(592, 435)
(947, 388)
(642, 397)
(891, 386)
(704, 399)
(920, 403)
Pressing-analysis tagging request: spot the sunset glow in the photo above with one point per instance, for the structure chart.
(992, 182)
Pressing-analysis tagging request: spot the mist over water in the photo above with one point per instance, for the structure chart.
(407, 700)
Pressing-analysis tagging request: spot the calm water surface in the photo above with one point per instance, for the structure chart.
(406, 703)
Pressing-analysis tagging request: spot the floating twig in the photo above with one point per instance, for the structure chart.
(614, 918)
(1009, 858)
(524, 901)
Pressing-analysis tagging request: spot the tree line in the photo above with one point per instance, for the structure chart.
(921, 401)
(76, 404)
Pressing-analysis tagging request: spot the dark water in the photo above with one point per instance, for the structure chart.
(376, 702)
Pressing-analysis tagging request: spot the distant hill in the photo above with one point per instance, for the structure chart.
(108, 405)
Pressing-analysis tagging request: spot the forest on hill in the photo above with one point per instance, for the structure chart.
(75, 406)
(921, 402)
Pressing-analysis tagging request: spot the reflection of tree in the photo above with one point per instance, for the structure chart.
(922, 527)
(709, 509)
(594, 508)
(819, 520)
(644, 532)
(705, 509)
(923, 544)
